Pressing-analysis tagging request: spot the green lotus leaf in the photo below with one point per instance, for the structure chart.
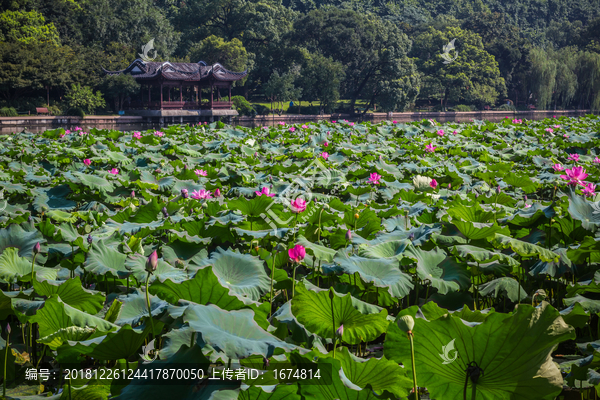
(120, 344)
(476, 230)
(520, 181)
(94, 182)
(591, 305)
(134, 308)
(15, 236)
(203, 288)
(322, 253)
(470, 214)
(136, 263)
(254, 207)
(480, 255)
(443, 272)
(524, 249)
(13, 267)
(70, 333)
(279, 392)
(506, 286)
(575, 315)
(314, 312)
(387, 249)
(234, 333)
(513, 350)
(103, 259)
(330, 386)
(381, 272)
(57, 315)
(243, 274)
(72, 293)
(53, 199)
(584, 211)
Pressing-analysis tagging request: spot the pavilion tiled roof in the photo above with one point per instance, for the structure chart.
(178, 71)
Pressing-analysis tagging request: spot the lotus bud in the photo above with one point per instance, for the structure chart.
(411, 237)
(498, 189)
(164, 212)
(256, 154)
(349, 235)
(525, 198)
(29, 219)
(8, 328)
(36, 248)
(152, 262)
(449, 186)
(184, 167)
(132, 194)
(217, 192)
(90, 239)
(406, 323)
(184, 193)
(266, 362)
(331, 294)
(340, 331)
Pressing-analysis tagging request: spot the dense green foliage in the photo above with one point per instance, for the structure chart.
(389, 54)
(185, 242)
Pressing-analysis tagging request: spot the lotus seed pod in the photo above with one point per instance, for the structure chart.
(356, 215)
(326, 206)
(406, 323)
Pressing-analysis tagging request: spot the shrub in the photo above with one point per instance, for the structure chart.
(242, 106)
(83, 97)
(77, 112)
(8, 112)
(507, 107)
(463, 107)
(261, 109)
(54, 110)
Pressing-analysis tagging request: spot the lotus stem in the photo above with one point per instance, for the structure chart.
(333, 321)
(32, 266)
(148, 304)
(319, 234)
(5, 362)
(272, 277)
(294, 280)
(412, 359)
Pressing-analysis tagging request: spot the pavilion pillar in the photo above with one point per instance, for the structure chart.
(229, 91)
(197, 87)
(169, 93)
(181, 92)
(211, 96)
(199, 96)
(161, 96)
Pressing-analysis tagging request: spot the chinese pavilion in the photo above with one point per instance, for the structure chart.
(187, 81)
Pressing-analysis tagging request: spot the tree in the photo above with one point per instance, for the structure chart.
(213, 49)
(84, 97)
(27, 27)
(119, 87)
(541, 80)
(370, 49)
(468, 74)
(281, 88)
(320, 79)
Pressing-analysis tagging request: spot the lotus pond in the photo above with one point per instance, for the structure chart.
(323, 261)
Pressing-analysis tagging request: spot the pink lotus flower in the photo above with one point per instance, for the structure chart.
(566, 136)
(440, 132)
(201, 172)
(394, 122)
(82, 133)
(137, 135)
(558, 167)
(430, 148)
(374, 178)
(62, 135)
(298, 205)
(201, 194)
(433, 183)
(549, 130)
(159, 133)
(556, 126)
(576, 175)
(281, 123)
(217, 192)
(325, 155)
(573, 157)
(113, 171)
(292, 129)
(297, 253)
(589, 190)
(454, 133)
(67, 132)
(87, 162)
(78, 129)
(333, 122)
(517, 121)
(596, 160)
(326, 143)
(304, 126)
(527, 205)
(351, 123)
(266, 191)
(554, 116)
